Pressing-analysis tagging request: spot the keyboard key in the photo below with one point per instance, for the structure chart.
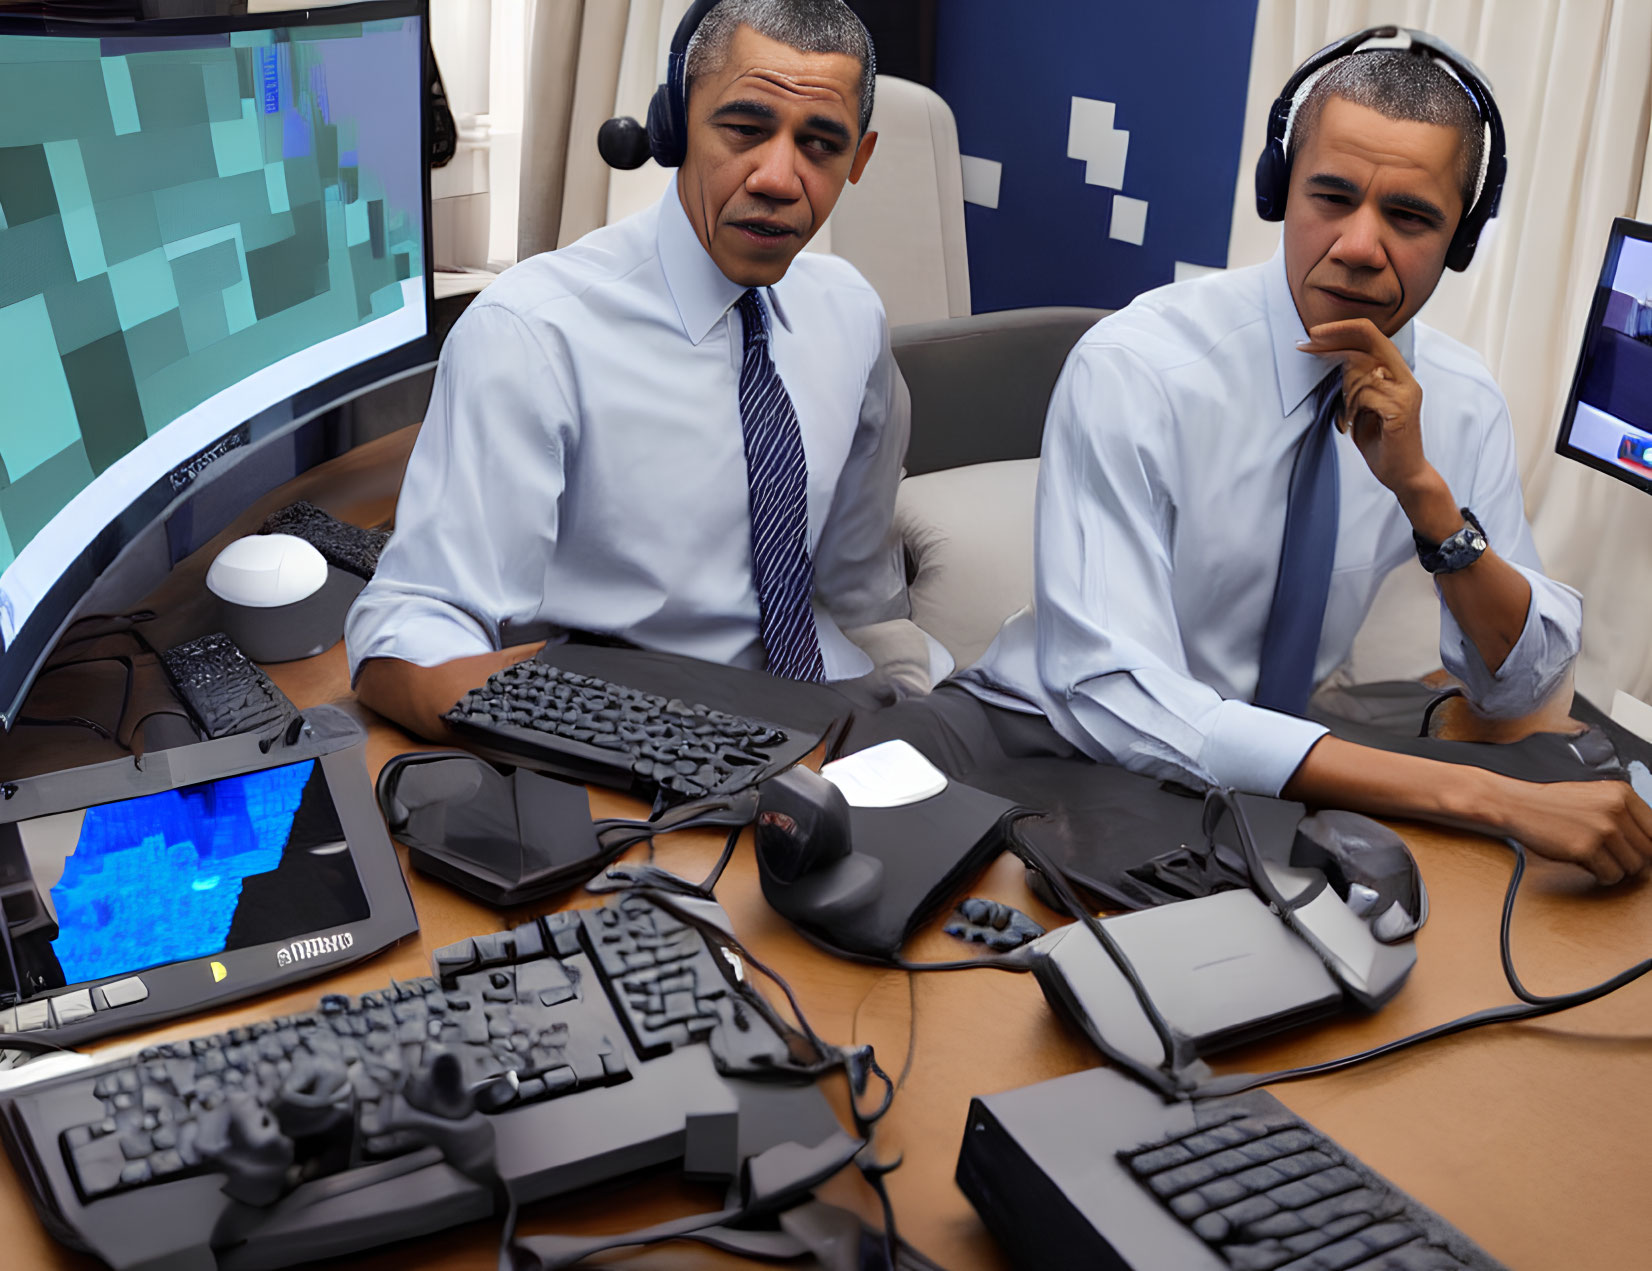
(1272, 1194)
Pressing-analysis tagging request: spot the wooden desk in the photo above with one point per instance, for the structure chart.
(1535, 1139)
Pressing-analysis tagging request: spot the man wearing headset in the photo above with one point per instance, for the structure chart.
(1299, 404)
(676, 432)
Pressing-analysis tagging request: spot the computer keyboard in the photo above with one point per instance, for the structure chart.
(595, 730)
(223, 689)
(569, 1050)
(1096, 1169)
(1266, 1191)
(347, 547)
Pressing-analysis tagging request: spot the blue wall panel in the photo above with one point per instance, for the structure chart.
(1176, 72)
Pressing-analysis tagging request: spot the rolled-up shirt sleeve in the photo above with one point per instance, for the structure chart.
(465, 560)
(1550, 638)
(1109, 651)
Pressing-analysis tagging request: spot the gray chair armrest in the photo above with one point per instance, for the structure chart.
(981, 385)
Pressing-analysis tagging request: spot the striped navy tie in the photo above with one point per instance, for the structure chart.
(777, 475)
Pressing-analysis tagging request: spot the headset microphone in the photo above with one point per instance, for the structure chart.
(623, 143)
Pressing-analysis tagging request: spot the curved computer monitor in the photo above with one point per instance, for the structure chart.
(212, 231)
(1608, 419)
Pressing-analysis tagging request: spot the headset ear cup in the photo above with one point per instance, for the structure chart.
(665, 141)
(1272, 180)
(1463, 243)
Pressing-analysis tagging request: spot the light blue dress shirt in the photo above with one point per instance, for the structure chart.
(582, 466)
(1161, 509)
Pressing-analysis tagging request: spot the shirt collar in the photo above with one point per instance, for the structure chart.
(1298, 372)
(702, 292)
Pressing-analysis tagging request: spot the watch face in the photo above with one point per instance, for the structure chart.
(1478, 543)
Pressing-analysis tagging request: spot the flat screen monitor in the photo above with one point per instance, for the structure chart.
(215, 871)
(1608, 419)
(211, 231)
(257, 858)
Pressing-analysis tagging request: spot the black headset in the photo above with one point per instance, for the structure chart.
(1273, 168)
(626, 144)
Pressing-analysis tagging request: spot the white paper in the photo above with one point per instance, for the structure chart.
(888, 775)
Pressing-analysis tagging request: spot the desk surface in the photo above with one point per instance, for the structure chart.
(1535, 1139)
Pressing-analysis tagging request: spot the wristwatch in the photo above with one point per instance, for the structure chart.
(1459, 551)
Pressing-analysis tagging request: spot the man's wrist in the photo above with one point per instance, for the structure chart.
(1428, 504)
(1475, 798)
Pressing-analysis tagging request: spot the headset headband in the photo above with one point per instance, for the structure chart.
(1273, 168)
(626, 144)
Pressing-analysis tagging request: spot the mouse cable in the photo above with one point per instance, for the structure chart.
(1532, 1006)
(859, 1065)
(1165, 1077)
(1579, 997)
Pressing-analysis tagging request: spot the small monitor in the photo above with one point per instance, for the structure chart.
(257, 858)
(1608, 419)
(131, 893)
(212, 230)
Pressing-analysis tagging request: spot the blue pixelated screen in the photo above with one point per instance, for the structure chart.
(190, 873)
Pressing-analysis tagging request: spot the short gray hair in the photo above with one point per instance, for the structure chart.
(810, 26)
(1405, 85)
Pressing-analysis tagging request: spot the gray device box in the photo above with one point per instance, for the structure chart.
(1221, 969)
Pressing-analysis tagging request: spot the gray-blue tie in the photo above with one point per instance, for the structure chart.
(777, 475)
(1290, 642)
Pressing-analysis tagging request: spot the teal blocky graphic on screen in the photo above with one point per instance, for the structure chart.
(36, 389)
(176, 218)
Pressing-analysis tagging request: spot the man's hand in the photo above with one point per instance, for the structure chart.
(1382, 407)
(416, 697)
(1601, 825)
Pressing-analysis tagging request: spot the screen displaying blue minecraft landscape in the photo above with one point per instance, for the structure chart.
(193, 872)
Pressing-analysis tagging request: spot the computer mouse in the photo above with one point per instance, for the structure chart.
(279, 599)
(1369, 866)
(802, 824)
(806, 860)
(264, 571)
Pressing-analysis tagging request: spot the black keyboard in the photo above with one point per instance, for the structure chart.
(572, 1049)
(348, 547)
(594, 730)
(1095, 1169)
(224, 690)
(1266, 1191)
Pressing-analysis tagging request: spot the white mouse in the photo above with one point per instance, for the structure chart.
(278, 598)
(263, 571)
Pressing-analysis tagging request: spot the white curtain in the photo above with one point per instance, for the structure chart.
(1573, 79)
(642, 69)
(574, 61)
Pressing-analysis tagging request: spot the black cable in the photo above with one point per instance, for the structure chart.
(911, 1033)
(828, 1053)
(1580, 997)
(1163, 1078)
(997, 962)
(1534, 1006)
(67, 721)
(709, 886)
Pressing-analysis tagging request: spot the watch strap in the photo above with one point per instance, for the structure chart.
(1458, 551)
